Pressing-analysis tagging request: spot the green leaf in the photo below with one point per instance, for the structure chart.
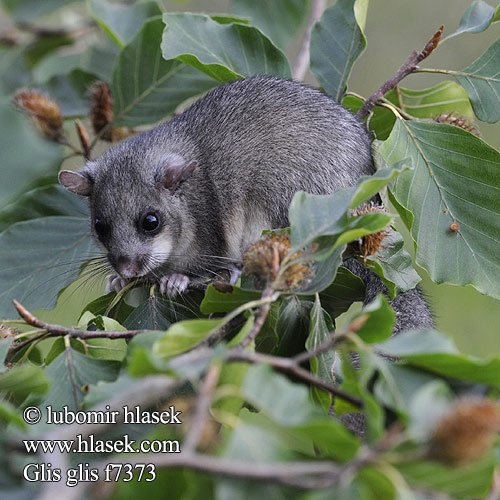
(184, 335)
(217, 301)
(472, 480)
(381, 121)
(70, 375)
(280, 20)
(29, 10)
(292, 325)
(71, 92)
(436, 353)
(231, 377)
(394, 265)
(10, 414)
(345, 289)
(324, 272)
(97, 59)
(158, 313)
(320, 330)
(428, 406)
(122, 22)
(23, 380)
(476, 18)
(496, 17)
(39, 257)
(369, 185)
(4, 350)
(145, 87)
(100, 305)
(45, 201)
(102, 391)
(23, 152)
(15, 72)
(223, 51)
(482, 83)
(454, 179)
(378, 326)
(336, 43)
(324, 219)
(284, 402)
(445, 97)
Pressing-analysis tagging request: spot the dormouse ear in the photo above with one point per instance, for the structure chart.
(75, 182)
(176, 172)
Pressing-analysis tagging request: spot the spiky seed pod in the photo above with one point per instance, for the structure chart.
(460, 121)
(44, 111)
(371, 243)
(101, 109)
(467, 432)
(264, 258)
(6, 332)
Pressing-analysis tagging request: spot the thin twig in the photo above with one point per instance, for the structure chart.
(202, 408)
(44, 32)
(289, 366)
(302, 61)
(61, 331)
(269, 295)
(84, 139)
(335, 339)
(286, 473)
(406, 68)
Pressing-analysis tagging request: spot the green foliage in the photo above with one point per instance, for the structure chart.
(23, 152)
(337, 28)
(146, 86)
(280, 20)
(122, 23)
(454, 179)
(223, 50)
(279, 403)
(482, 83)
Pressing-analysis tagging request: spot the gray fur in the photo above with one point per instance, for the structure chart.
(255, 143)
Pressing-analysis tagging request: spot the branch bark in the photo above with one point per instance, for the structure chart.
(302, 61)
(405, 69)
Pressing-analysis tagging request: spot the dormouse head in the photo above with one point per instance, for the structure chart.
(136, 207)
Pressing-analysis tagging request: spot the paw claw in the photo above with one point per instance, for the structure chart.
(234, 276)
(174, 284)
(115, 283)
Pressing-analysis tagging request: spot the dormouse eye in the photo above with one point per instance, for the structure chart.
(150, 222)
(99, 226)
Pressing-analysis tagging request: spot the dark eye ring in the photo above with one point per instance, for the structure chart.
(150, 222)
(99, 226)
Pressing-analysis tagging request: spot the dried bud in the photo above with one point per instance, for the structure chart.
(467, 432)
(264, 258)
(371, 243)
(460, 121)
(6, 332)
(101, 109)
(45, 112)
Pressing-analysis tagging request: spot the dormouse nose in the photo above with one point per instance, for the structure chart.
(126, 266)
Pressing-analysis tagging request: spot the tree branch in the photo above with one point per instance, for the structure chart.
(302, 61)
(269, 296)
(62, 331)
(202, 408)
(289, 366)
(407, 67)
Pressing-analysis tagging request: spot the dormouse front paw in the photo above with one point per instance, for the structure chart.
(115, 283)
(174, 284)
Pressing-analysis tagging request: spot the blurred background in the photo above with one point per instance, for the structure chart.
(393, 29)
